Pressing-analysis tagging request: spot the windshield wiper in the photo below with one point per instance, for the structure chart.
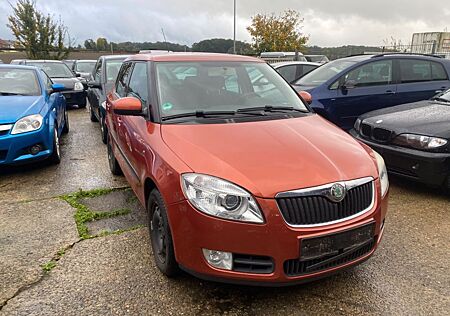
(198, 114)
(441, 100)
(270, 108)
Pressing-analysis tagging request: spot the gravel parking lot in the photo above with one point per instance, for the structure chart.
(47, 268)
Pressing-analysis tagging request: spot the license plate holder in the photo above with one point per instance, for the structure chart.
(333, 244)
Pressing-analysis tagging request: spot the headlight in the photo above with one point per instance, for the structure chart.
(421, 142)
(78, 86)
(27, 124)
(220, 198)
(382, 173)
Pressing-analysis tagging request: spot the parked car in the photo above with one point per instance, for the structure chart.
(294, 70)
(321, 59)
(33, 115)
(242, 184)
(17, 62)
(103, 78)
(282, 55)
(69, 62)
(84, 68)
(413, 138)
(344, 89)
(59, 72)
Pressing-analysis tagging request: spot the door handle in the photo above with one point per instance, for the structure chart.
(438, 91)
(390, 92)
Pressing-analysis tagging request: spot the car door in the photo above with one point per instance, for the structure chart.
(365, 88)
(420, 79)
(135, 146)
(95, 93)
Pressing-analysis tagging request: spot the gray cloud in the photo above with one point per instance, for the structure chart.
(328, 23)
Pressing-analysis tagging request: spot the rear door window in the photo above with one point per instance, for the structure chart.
(438, 72)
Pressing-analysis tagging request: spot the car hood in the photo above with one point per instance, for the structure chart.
(12, 108)
(271, 156)
(425, 117)
(67, 82)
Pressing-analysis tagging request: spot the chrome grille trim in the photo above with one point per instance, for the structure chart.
(4, 128)
(324, 190)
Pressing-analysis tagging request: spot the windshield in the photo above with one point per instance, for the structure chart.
(54, 70)
(186, 87)
(85, 66)
(112, 69)
(18, 82)
(324, 73)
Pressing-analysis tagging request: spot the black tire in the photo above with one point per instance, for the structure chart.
(161, 236)
(55, 157)
(66, 123)
(113, 164)
(103, 129)
(82, 105)
(93, 117)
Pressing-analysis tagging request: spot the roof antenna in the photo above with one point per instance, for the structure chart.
(165, 41)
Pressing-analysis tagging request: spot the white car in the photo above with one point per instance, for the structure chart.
(294, 70)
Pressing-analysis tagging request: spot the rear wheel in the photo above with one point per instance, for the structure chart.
(161, 237)
(103, 129)
(55, 157)
(113, 164)
(66, 123)
(93, 117)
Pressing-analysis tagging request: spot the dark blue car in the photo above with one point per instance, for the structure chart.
(32, 115)
(344, 89)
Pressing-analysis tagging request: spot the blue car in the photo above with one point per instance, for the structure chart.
(32, 115)
(346, 88)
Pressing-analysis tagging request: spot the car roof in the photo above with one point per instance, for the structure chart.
(181, 57)
(108, 57)
(19, 67)
(287, 63)
(43, 61)
(86, 60)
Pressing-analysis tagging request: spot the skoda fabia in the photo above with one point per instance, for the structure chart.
(242, 181)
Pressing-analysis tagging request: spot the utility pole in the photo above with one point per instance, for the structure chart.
(165, 40)
(234, 28)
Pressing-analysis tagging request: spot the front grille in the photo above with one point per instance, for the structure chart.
(252, 264)
(3, 154)
(3, 133)
(295, 267)
(381, 134)
(366, 130)
(317, 209)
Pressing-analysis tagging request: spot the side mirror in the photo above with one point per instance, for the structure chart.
(349, 84)
(127, 106)
(77, 74)
(58, 87)
(94, 84)
(306, 96)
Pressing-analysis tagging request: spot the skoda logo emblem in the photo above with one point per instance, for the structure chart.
(337, 192)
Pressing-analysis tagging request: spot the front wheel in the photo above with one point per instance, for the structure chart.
(55, 157)
(160, 235)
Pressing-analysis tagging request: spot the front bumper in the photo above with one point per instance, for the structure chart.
(14, 149)
(75, 97)
(193, 231)
(426, 167)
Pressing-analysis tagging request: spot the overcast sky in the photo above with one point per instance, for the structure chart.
(328, 23)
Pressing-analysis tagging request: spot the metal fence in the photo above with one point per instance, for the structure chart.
(431, 48)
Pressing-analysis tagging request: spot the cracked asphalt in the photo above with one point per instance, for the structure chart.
(408, 275)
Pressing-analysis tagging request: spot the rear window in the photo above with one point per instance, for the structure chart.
(415, 70)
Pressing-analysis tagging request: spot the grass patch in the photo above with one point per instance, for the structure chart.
(47, 267)
(84, 214)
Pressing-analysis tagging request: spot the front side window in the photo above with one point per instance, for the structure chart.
(18, 82)
(371, 74)
(53, 69)
(138, 86)
(221, 86)
(98, 71)
(122, 80)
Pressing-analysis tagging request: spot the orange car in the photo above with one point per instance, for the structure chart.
(242, 181)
